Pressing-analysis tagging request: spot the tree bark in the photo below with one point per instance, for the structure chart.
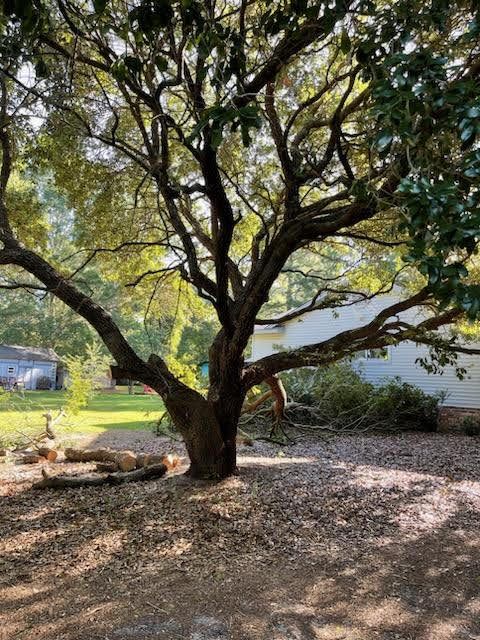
(194, 418)
(208, 425)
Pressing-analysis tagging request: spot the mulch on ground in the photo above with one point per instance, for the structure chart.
(354, 538)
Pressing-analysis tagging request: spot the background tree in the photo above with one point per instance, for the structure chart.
(219, 142)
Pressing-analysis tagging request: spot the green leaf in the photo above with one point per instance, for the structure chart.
(119, 70)
(100, 5)
(467, 133)
(134, 64)
(217, 137)
(41, 69)
(345, 42)
(383, 140)
(246, 138)
(474, 112)
(161, 63)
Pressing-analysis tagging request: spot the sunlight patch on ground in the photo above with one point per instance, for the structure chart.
(387, 609)
(373, 475)
(274, 462)
(451, 629)
(96, 554)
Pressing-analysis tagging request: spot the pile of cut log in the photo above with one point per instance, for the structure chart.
(109, 460)
(115, 467)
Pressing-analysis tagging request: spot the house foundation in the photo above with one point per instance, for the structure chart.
(450, 419)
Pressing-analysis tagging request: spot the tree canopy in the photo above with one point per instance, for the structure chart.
(248, 148)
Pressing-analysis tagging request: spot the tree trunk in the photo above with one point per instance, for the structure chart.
(209, 434)
(209, 429)
(208, 425)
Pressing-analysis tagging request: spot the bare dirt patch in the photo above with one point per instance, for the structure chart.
(357, 538)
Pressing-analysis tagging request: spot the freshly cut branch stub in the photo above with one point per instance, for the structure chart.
(50, 454)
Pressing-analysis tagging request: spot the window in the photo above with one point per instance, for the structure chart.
(10, 370)
(383, 353)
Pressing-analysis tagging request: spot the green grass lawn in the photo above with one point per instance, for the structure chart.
(106, 411)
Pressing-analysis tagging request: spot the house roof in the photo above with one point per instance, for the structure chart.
(16, 352)
(279, 327)
(285, 317)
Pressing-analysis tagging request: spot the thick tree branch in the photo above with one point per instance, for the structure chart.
(288, 47)
(374, 334)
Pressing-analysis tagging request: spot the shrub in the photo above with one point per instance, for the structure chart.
(339, 397)
(44, 383)
(85, 376)
(406, 406)
(471, 426)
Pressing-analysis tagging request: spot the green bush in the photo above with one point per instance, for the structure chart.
(337, 393)
(471, 426)
(86, 375)
(406, 406)
(339, 397)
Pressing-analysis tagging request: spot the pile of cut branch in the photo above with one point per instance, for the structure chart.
(275, 422)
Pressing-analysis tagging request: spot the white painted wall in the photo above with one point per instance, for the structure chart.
(321, 325)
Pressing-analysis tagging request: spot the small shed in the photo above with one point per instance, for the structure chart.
(26, 365)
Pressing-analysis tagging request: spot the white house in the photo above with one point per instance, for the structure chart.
(26, 365)
(316, 326)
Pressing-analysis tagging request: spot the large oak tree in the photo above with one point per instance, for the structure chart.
(223, 142)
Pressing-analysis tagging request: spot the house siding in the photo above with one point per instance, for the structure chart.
(317, 326)
(28, 371)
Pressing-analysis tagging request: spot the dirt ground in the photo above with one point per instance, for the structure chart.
(354, 538)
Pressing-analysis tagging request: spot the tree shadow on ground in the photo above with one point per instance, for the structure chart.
(343, 541)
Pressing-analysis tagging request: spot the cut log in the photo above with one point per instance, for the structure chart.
(3, 453)
(87, 455)
(31, 458)
(147, 459)
(66, 482)
(106, 467)
(126, 461)
(170, 461)
(50, 454)
(144, 459)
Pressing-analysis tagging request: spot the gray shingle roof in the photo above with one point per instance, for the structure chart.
(16, 352)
